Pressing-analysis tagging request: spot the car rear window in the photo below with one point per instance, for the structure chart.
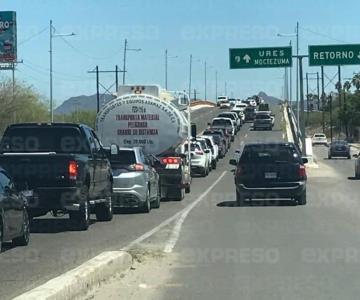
(262, 117)
(43, 139)
(269, 154)
(319, 135)
(221, 122)
(124, 157)
(230, 116)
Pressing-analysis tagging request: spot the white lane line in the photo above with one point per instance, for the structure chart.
(246, 135)
(171, 219)
(177, 228)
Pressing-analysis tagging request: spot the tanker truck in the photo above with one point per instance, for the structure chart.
(147, 116)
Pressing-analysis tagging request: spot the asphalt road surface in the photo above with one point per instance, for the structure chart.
(262, 251)
(55, 249)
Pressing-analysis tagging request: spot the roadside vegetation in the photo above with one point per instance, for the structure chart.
(24, 104)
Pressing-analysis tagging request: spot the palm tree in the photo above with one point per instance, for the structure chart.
(347, 86)
(356, 81)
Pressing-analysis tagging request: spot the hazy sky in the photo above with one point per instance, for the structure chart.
(204, 28)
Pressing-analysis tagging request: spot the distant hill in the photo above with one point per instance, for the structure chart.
(269, 99)
(81, 103)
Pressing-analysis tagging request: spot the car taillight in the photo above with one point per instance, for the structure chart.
(197, 152)
(137, 167)
(72, 170)
(238, 171)
(170, 160)
(302, 171)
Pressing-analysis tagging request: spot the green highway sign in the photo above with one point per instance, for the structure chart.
(334, 55)
(269, 57)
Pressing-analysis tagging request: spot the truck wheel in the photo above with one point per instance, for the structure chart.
(240, 199)
(23, 240)
(146, 206)
(301, 200)
(81, 218)
(104, 211)
(156, 203)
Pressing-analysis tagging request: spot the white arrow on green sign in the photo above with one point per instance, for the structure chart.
(268, 57)
(334, 55)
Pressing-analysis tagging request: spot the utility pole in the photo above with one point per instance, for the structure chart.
(331, 119)
(307, 97)
(302, 119)
(339, 95)
(205, 96)
(97, 89)
(318, 90)
(195, 95)
(124, 62)
(117, 78)
(52, 35)
(166, 66)
(190, 76)
(216, 85)
(97, 72)
(291, 83)
(297, 72)
(323, 98)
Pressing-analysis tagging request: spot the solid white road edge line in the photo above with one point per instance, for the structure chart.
(177, 228)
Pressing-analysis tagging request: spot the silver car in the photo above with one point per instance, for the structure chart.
(136, 182)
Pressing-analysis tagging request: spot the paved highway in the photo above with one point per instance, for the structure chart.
(54, 249)
(278, 251)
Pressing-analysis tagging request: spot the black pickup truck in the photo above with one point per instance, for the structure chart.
(62, 167)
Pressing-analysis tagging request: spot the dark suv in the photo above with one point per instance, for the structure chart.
(270, 170)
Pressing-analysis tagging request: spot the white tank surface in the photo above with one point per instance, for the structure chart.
(142, 116)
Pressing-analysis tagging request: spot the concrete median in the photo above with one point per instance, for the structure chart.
(77, 282)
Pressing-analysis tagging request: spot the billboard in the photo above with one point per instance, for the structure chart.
(8, 37)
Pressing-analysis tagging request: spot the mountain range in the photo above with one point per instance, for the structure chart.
(89, 102)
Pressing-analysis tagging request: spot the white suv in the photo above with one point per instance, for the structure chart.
(199, 161)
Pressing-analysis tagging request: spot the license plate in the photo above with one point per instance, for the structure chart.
(270, 175)
(172, 166)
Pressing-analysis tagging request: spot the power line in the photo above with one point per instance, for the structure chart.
(323, 35)
(32, 37)
(80, 52)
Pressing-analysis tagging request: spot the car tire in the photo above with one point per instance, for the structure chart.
(329, 156)
(349, 157)
(81, 218)
(357, 175)
(146, 207)
(301, 200)
(240, 199)
(104, 211)
(181, 193)
(214, 165)
(24, 238)
(1, 236)
(188, 188)
(156, 203)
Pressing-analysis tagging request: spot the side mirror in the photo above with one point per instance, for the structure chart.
(356, 155)
(114, 149)
(207, 151)
(233, 162)
(305, 160)
(182, 155)
(209, 124)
